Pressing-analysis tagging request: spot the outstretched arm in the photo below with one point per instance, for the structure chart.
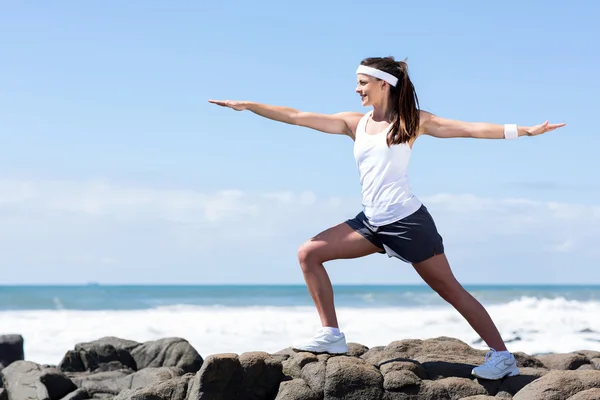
(343, 123)
(439, 127)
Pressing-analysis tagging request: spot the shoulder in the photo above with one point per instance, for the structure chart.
(426, 119)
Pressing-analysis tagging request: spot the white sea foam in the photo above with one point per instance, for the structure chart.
(544, 325)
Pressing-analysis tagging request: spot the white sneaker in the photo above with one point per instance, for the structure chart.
(496, 366)
(323, 342)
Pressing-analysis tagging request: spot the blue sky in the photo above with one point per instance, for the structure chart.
(115, 168)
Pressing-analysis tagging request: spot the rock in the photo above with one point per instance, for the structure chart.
(314, 374)
(287, 352)
(457, 387)
(103, 396)
(403, 364)
(171, 389)
(590, 394)
(137, 380)
(11, 349)
(113, 354)
(514, 384)
(357, 349)
(79, 378)
(588, 353)
(503, 395)
(527, 361)
(440, 389)
(296, 389)
(217, 378)
(558, 385)
(395, 381)
(440, 357)
(111, 368)
(261, 375)
(352, 378)
(167, 352)
(252, 375)
(424, 391)
(293, 365)
(25, 380)
(108, 353)
(79, 394)
(568, 361)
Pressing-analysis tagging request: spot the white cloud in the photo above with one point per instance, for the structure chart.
(84, 229)
(568, 225)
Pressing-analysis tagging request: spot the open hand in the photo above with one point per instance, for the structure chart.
(542, 128)
(235, 105)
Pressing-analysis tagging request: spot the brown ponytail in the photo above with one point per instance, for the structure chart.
(403, 100)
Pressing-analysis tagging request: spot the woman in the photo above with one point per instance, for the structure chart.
(393, 220)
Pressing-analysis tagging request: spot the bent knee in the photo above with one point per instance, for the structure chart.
(306, 252)
(310, 253)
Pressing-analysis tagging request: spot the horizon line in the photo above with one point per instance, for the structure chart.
(142, 284)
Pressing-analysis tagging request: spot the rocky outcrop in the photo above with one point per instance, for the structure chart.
(171, 369)
(11, 350)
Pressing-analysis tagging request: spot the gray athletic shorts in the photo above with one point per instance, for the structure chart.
(412, 239)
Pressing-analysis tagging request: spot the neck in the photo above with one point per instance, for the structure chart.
(382, 112)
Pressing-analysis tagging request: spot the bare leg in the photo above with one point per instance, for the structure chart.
(437, 274)
(338, 242)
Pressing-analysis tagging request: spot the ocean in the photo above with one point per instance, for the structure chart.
(221, 319)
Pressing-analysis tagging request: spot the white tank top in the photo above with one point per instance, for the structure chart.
(386, 192)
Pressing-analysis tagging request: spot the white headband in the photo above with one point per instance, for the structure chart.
(389, 78)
